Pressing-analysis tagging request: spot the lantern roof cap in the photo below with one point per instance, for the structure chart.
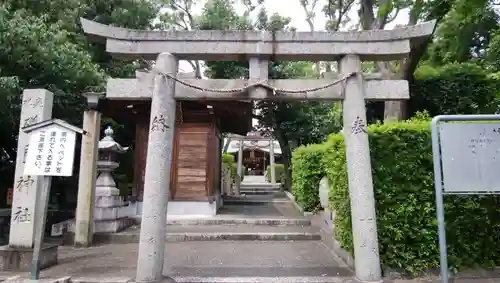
(108, 143)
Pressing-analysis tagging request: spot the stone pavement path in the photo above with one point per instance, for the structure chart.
(204, 260)
(207, 259)
(199, 261)
(216, 262)
(221, 261)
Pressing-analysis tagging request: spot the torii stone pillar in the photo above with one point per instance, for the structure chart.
(364, 225)
(238, 169)
(157, 178)
(271, 159)
(84, 222)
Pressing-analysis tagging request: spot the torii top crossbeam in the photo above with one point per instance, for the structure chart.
(373, 45)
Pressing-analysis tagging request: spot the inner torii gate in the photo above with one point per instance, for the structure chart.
(352, 86)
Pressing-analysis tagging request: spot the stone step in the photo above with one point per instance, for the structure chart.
(242, 221)
(260, 185)
(272, 192)
(258, 279)
(255, 199)
(259, 189)
(221, 220)
(180, 233)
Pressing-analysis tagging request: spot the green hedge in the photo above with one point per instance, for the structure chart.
(464, 88)
(402, 168)
(279, 170)
(229, 159)
(306, 174)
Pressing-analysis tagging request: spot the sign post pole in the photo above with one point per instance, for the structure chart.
(41, 219)
(51, 152)
(436, 154)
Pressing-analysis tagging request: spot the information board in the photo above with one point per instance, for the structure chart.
(465, 153)
(470, 156)
(51, 152)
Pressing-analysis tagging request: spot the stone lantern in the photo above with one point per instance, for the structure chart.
(109, 205)
(107, 164)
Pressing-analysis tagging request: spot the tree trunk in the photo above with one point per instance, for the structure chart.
(287, 156)
(393, 110)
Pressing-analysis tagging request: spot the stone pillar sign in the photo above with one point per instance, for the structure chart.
(157, 176)
(36, 107)
(364, 223)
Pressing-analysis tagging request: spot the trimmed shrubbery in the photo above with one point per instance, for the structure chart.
(279, 170)
(306, 174)
(402, 170)
(229, 159)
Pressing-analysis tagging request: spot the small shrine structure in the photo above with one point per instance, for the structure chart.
(197, 148)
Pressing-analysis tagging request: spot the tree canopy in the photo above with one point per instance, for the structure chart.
(42, 46)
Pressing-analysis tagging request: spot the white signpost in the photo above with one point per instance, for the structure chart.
(51, 152)
(466, 153)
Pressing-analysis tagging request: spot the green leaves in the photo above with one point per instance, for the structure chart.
(465, 88)
(279, 170)
(228, 159)
(306, 174)
(402, 170)
(42, 46)
(465, 32)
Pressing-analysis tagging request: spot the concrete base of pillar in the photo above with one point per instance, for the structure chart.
(105, 226)
(327, 228)
(191, 208)
(102, 228)
(109, 214)
(112, 226)
(19, 259)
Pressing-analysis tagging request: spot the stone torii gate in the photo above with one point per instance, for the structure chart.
(352, 86)
(241, 140)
